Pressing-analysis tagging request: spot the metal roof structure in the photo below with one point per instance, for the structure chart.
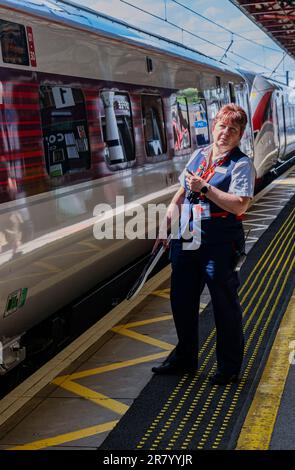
(275, 18)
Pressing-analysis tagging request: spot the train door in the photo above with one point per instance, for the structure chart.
(280, 133)
(242, 99)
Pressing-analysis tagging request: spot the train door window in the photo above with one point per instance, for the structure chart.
(116, 120)
(180, 122)
(201, 123)
(153, 124)
(232, 96)
(65, 130)
(242, 99)
(213, 108)
(14, 43)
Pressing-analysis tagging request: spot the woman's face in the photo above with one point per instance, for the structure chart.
(226, 134)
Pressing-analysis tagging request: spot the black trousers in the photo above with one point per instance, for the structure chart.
(212, 265)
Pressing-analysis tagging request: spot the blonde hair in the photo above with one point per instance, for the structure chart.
(232, 113)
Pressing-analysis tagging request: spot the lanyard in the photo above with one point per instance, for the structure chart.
(207, 174)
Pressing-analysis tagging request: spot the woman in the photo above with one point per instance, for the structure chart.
(216, 188)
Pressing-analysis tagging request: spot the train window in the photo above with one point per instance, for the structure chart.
(117, 127)
(180, 122)
(65, 131)
(232, 96)
(201, 123)
(153, 124)
(14, 43)
(268, 115)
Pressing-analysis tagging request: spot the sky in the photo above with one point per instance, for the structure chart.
(263, 57)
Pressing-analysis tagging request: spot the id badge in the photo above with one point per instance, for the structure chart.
(206, 213)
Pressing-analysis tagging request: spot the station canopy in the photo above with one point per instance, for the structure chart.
(277, 19)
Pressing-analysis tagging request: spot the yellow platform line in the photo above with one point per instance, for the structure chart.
(24, 277)
(144, 322)
(165, 293)
(95, 397)
(68, 437)
(50, 267)
(144, 338)
(258, 427)
(111, 367)
(95, 247)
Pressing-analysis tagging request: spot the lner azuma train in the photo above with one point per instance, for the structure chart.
(91, 109)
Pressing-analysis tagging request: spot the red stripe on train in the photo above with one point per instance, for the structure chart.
(19, 156)
(20, 94)
(19, 123)
(42, 175)
(21, 106)
(260, 111)
(9, 82)
(24, 167)
(23, 133)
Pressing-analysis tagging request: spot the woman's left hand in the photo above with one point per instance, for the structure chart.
(194, 183)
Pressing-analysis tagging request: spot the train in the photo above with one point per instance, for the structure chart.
(92, 109)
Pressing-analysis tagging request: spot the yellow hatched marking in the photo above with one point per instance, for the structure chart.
(165, 293)
(48, 266)
(117, 365)
(258, 427)
(68, 437)
(271, 249)
(24, 276)
(72, 253)
(95, 397)
(145, 322)
(91, 245)
(145, 339)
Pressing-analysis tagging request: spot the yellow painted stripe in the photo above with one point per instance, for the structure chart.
(96, 247)
(258, 427)
(271, 249)
(50, 267)
(110, 367)
(144, 322)
(23, 278)
(68, 437)
(144, 338)
(95, 397)
(165, 293)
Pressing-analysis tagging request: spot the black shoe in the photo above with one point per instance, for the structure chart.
(223, 379)
(174, 367)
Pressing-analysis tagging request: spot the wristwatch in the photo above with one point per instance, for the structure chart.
(204, 189)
